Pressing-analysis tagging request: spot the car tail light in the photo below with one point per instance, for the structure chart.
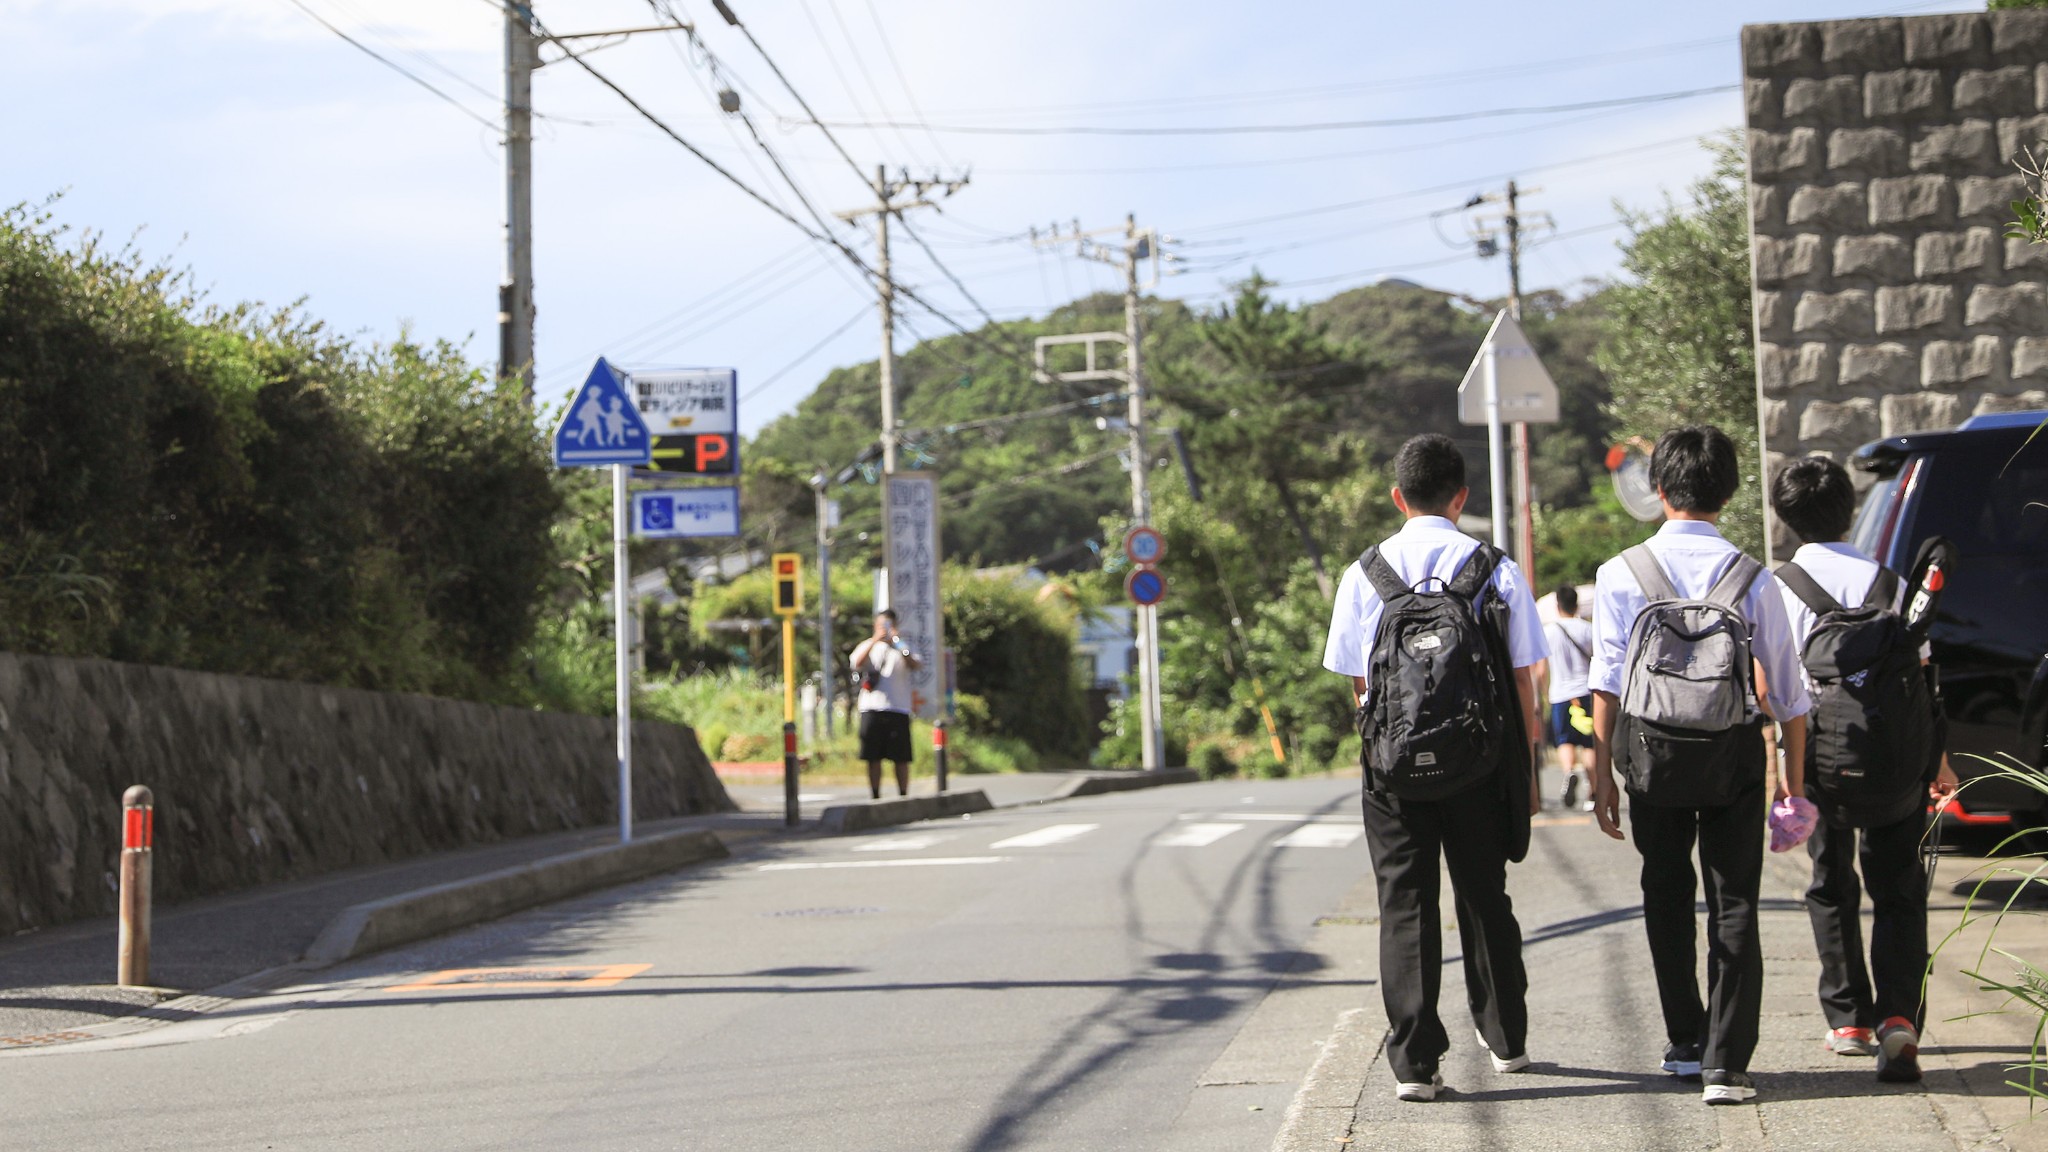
(1902, 494)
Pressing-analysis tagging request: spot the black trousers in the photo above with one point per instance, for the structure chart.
(1897, 880)
(1731, 853)
(1469, 831)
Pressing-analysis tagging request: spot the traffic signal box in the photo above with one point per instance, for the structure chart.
(789, 584)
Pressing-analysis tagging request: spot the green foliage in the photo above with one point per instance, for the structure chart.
(1572, 543)
(1998, 5)
(1213, 761)
(240, 491)
(1679, 346)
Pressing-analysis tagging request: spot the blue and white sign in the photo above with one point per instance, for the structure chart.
(686, 513)
(602, 425)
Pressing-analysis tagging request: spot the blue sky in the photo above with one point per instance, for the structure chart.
(240, 138)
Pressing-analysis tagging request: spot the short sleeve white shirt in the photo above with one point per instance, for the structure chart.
(1426, 546)
(1843, 572)
(1693, 554)
(1571, 656)
(891, 692)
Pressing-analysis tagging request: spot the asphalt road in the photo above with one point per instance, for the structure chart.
(1062, 976)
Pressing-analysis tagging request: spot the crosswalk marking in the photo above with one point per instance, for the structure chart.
(1280, 817)
(903, 843)
(1320, 836)
(1047, 836)
(911, 862)
(1196, 835)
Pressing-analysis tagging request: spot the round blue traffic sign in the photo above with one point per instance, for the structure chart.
(1145, 587)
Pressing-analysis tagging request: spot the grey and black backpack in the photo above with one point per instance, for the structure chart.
(1871, 740)
(1690, 734)
(1436, 709)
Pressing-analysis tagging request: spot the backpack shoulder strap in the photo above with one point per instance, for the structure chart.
(1582, 649)
(1809, 591)
(1477, 571)
(1884, 590)
(1384, 579)
(1649, 574)
(1733, 586)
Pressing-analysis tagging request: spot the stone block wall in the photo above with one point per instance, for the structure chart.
(1888, 298)
(262, 780)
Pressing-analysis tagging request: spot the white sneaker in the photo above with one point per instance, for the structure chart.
(1586, 806)
(1511, 1064)
(1420, 1093)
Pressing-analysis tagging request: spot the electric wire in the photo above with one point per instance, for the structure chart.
(395, 66)
(861, 65)
(903, 79)
(813, 350)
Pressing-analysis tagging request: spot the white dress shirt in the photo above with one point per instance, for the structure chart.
(1571, 657)
(1425, 546)
(891, 692)
(1843, 572)
(1693, 555)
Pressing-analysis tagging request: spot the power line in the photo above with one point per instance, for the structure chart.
(813, 350)
(401, 69)
(1268, 129)
(903, 79)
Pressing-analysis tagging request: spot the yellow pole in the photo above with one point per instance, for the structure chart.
(789, 669)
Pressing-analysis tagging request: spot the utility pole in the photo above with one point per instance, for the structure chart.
(1511, 226)
(515, 293)
(1138, 245)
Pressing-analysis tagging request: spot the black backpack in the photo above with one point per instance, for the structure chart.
(1437, 708)
(1689, 733)
(1871, 744)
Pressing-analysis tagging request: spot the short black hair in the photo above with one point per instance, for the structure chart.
(1695, 468)
(1815, 499)
(890, 613)
(1430, 471)
(1568, 598)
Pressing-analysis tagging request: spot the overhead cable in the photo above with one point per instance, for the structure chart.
(401, 69)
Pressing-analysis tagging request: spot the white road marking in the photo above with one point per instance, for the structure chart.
(1196, 835)
(815, 797)
(1320, 836)
(1047, 836)
(1277, 817)
(920, 862)
(902, 843)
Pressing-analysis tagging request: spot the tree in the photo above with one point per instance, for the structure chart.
(1679, 346)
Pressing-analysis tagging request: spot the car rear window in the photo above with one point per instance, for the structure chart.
(1991, 501)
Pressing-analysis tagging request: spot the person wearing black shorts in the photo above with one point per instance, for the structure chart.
(883, 663)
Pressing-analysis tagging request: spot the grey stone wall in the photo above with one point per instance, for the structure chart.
(1881, 151)
(261, 780)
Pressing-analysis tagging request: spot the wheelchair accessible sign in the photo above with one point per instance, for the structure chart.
(686, 513)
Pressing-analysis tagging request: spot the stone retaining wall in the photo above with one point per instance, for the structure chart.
(1888, 299)
(262, 780)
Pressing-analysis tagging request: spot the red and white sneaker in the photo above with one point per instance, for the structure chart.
(1851, 1042)
(1898, 1051)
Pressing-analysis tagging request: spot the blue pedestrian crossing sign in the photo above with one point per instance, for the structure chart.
(601, 425)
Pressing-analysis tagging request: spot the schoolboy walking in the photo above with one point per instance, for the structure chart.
(1438, 634)
(1873, 759)
(1681, 626)
(1570, 641)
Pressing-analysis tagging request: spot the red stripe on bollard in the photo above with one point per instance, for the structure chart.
(938, 735)
(789, 743)
(138, 832)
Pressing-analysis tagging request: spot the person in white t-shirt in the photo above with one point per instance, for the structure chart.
(883, 663)
(1570, 640)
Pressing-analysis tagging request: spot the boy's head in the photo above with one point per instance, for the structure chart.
(1695, 469)
(885, 622)
(1429, 476)
(1815, 499)
(1568, 599)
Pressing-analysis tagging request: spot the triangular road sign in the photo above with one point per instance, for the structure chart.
(1527, 393)
(601, 425)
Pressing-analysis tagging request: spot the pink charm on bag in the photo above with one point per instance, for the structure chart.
(1793, 819)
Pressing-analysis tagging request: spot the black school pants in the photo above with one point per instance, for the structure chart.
(1897, 880)
(1469, 831)
(1731, 854)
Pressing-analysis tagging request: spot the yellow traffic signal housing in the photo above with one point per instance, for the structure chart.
(789, 583)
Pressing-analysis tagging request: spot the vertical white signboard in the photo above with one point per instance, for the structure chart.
(911, 500)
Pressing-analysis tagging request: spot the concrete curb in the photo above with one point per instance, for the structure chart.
(1323, 1111)
(1097, 783)
(410, 916)
(841, 818)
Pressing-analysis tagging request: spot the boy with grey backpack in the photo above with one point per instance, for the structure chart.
(1690, 644)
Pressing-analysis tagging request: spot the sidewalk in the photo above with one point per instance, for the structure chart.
(1595, 1034)
(61, 978)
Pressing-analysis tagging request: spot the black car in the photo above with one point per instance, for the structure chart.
(1985, 487)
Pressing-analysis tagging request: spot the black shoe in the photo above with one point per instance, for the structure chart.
(1725, 1087)
(1683, 1061)
(1571, 791)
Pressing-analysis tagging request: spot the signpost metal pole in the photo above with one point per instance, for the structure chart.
(1496, 460)
(828, 663)
(622, 650)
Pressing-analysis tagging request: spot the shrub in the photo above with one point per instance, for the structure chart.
(1213, 761)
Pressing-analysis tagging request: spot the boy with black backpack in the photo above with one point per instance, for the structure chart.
(1874, 751)
(1440, 636)
(1682, 623)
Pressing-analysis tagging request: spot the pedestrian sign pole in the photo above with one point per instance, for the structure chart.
(789, 604)
(1506, 384)
(601, 427)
